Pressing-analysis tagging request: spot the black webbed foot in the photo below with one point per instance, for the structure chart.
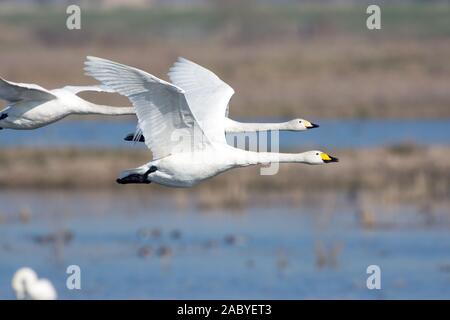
(130, 137)
(137, 178)
(134, 178)
(150, 170)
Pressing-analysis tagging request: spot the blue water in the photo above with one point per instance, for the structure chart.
(274, 254)
(331, 134)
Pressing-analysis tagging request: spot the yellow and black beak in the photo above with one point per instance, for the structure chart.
(327, 159)
(310, 125)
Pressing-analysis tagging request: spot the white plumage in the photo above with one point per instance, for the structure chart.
(31, 106)
(194, 81)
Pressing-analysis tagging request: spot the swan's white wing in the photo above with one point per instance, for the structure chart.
(99, 88)
(206, 94)
(164, 116)
(14, 92)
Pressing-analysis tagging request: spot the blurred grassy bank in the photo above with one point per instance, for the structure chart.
(398, 173)
(309, 61)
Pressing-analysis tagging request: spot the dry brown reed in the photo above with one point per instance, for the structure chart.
(418, 175)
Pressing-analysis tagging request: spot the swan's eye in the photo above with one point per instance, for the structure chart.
(317, 153)
(300, 121)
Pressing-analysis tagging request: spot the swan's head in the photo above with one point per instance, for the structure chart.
(300, 125)
(318, 157)
(21, 281)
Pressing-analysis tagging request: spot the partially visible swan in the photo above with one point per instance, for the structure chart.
(232, 126)
(27, 286)
(184, 128)
(31, 106)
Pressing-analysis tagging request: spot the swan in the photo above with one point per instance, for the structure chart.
(184, 128)
(31, 106)
(232, 126)
(27, 286)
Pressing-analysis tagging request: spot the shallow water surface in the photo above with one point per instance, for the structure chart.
(131, 246)
(342, 133)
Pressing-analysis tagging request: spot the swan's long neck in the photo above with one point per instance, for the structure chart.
(247, 158)
(232, 126)
(92, 108)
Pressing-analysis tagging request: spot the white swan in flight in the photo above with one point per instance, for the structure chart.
(27, 286)
(184, 128)
(31, 106)
(232, 126)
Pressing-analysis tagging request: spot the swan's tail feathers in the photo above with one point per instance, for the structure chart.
(132, 137)
(136, 176)
(15, 92)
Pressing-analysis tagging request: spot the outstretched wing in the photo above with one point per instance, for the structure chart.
(164, 116)
(207, 95)
(15, 92)
(78, 89)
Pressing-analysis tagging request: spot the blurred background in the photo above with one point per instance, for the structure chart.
(381, 97)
